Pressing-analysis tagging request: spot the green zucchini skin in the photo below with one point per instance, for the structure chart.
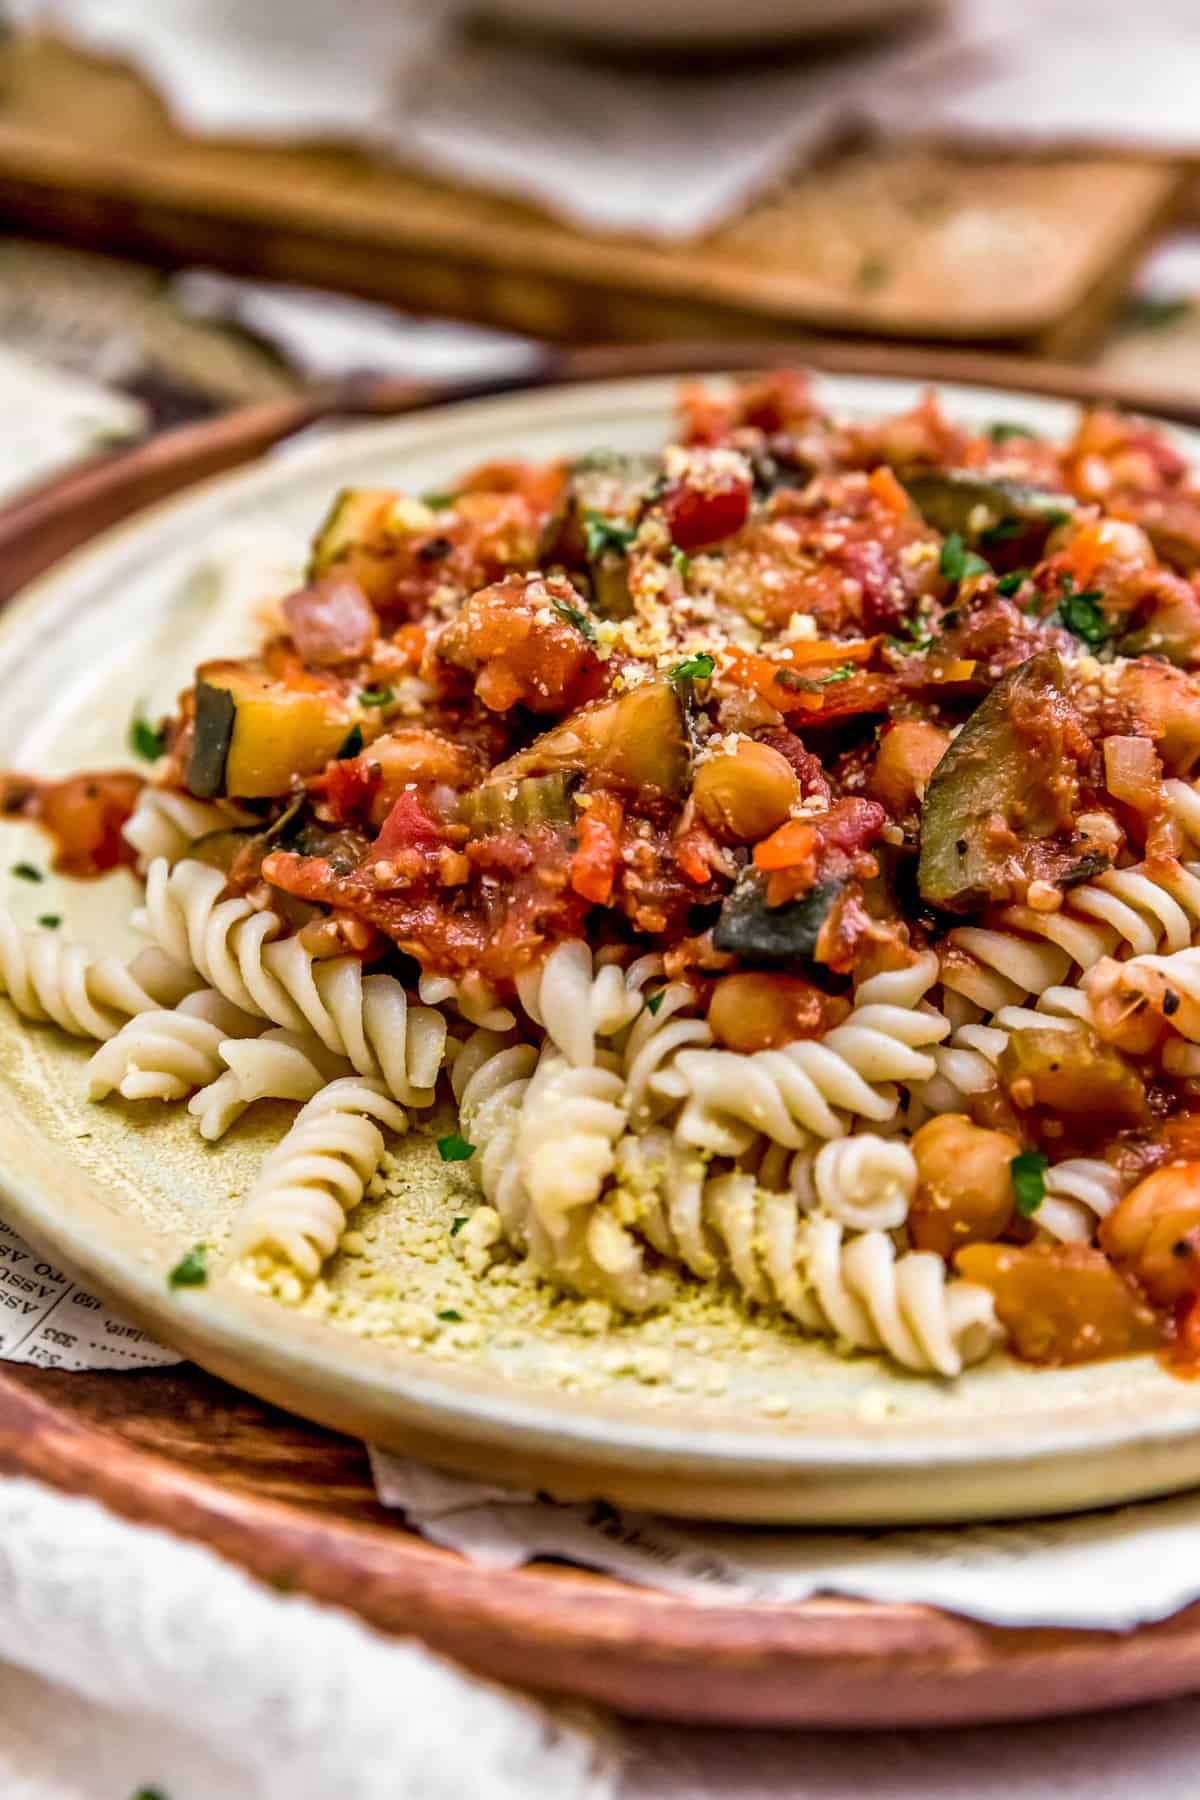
(773, 936)
(216, 712)
(515, 805)
(989, 512)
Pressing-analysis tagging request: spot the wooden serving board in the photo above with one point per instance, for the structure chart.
(294, 1504)
(912, 243)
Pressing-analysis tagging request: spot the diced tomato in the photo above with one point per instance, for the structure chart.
(347, 786)
(710, 502)
(408, 826)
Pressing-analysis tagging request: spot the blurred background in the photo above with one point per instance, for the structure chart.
(212, 202)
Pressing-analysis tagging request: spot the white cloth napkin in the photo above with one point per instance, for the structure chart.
(150, 1664)
(646, 149)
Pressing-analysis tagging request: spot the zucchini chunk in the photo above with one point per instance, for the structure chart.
(1068, 1072)
(1000, 784)
(773, 935)
(215, 714)
(515, 805)
(253, 733)
(639, 740)
(354, 516)
(1004, 518)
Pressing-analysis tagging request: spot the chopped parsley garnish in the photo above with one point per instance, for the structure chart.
(458, 1224)
(438, 502)
(51, 921)
(192, 1269)
(913, 632)
(694, 668)
(380, 696)
(455, 1148)
(1028, 1175)
(1001, 430)
(1008, 584)
(451, 1315)
(843, 672)
(579, 620)
(1081, 614)
(956, 561)
(874, 272)
(150, 1793)
(351, 744)
(681, 562)
(27, 872)
(601, 535)
(144, 741)
(654, 1001)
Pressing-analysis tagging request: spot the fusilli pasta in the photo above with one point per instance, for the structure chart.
(859, 1292)
(165, 1054)
(236, 948)
(48, 978)
(317, 1174)
(278, 1065)
(812, 1085)
(166, 823)
(576, 1002)
(572, 1237)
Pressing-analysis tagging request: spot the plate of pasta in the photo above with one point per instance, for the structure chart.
(639, 939)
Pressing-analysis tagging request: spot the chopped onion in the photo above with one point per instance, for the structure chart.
(1131, 769)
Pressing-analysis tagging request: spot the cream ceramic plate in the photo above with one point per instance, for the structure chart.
(703, 1412)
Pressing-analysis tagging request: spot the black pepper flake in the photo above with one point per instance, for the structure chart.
(1181, 1247)
(1170, 1003)
(961, 846)
(434, 549)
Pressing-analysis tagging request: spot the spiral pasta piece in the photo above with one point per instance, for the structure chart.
(471, 997)
(865, 1182)
(166, 1053)
(276, 1065)
(583, 1247)
(859, 1292)
(569, 1123)
(1078, 1194)
(577, 1002)
(966, 1064)
(812, 1087)
(166, 823)
(48, 978)
(906, 1305)
(1121, 912)
(367, 1019)
(663, 1028)
(297, 1206)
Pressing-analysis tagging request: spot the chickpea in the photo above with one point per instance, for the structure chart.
(964, 1184)
(755, 1011)
(1154, 1233)
(908, 755)
(743, 794)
